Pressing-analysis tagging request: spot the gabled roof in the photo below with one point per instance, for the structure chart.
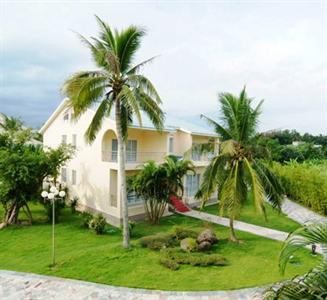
(171, 123)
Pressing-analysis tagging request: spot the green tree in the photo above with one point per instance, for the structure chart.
(116, 84)
(156, 183)
(236, 172)
(313, 285)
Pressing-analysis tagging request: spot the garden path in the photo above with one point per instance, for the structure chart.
(27, 286)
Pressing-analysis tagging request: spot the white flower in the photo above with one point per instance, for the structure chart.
(51, 196)
(53, 189)
(62, 194)
(44, 194)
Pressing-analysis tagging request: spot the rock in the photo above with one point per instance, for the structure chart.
(189, 245)
(204, 246)
(207, 236)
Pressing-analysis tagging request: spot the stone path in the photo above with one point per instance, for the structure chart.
(299, 213)
(27, 286)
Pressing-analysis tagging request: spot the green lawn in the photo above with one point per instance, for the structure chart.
(83, 255)
(275, 219)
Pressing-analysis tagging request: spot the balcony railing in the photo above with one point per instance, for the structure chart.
(134, 157)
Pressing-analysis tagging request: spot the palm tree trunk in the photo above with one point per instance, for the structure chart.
(122, 176)
(232, 237)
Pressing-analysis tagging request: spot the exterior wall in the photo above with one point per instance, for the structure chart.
(97, 181)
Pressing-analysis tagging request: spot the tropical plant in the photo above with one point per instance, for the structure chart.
(236, 172)
(98, 224)
(116, 84)
(156, 183)
(313, 285)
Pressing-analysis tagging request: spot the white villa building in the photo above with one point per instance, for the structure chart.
(92, 174)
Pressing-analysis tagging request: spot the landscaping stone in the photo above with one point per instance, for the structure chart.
(204, 246)
(207, 236)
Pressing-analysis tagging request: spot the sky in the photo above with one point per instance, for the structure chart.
(277, 49)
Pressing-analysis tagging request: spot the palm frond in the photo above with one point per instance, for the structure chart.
(107, 35)
(220, 130)
(136, 69)
(128, 42)
(84, 89)
(304, 236)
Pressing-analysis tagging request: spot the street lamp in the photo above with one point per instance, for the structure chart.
(52, 197)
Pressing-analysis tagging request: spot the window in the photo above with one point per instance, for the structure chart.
(132, 199)
(73, 177)
(63, 175)
(114, 150)
(196, 153)
(192, 184)
(131, 150)
(171, 144)
(74, 140)
(66, 116)
(64, 139)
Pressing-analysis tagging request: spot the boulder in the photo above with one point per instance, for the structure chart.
(189, 245)
(204, 246)
(207, 235)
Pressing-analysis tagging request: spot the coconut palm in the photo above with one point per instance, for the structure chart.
(235, 171)
(155, 184)
(116, 85)
(313, 285)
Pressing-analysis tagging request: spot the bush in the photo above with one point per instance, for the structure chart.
(305, 183)
(73, 204)
(189, 245)
(158, 241)
(86, 218)
(131, 226)
(171, 256)
(169, 263)
(181, 233)
(98, 223)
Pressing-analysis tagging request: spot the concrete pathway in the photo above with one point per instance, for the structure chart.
(300, 213)
(27, 286)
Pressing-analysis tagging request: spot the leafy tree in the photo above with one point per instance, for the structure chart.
(313, 285)
(23, 167)
(236, 171)
(116, 84)
(156, 183)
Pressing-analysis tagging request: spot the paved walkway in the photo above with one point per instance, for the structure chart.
(27, 286)
(300, 213)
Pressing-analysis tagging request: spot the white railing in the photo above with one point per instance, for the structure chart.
(134, 157)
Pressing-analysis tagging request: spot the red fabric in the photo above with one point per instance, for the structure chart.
(178, 204)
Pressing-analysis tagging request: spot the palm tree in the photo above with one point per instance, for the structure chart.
(236, 171)
(313, 285)
(116, 84)
(156, 183)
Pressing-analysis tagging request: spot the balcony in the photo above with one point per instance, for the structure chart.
(133, 157)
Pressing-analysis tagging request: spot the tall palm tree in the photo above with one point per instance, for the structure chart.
(313, 285)
(116, 84)
(236, 171)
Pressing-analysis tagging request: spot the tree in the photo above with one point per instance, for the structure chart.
(236, 171)
(23, 167)
(156, 183)
(313, 285)
(116, 84)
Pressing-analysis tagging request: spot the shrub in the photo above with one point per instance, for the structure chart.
(189, 245)
(305, 183)
(158, 241)
(73, 204)
(169, 263)
(86, 218)
(181, 233)
(195, 259)
(131, 226)
(98, 223)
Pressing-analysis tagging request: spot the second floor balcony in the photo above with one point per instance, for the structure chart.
(134, 157)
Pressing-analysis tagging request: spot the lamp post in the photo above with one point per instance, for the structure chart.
(52, 197)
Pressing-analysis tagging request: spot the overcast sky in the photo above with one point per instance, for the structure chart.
(278, 49)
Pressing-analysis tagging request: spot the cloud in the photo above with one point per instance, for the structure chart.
(277, 49)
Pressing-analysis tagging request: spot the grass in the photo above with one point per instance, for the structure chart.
(83, 255)
(275, 220)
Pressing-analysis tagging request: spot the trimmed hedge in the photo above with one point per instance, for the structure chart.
(305, 183)
(174, 257)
